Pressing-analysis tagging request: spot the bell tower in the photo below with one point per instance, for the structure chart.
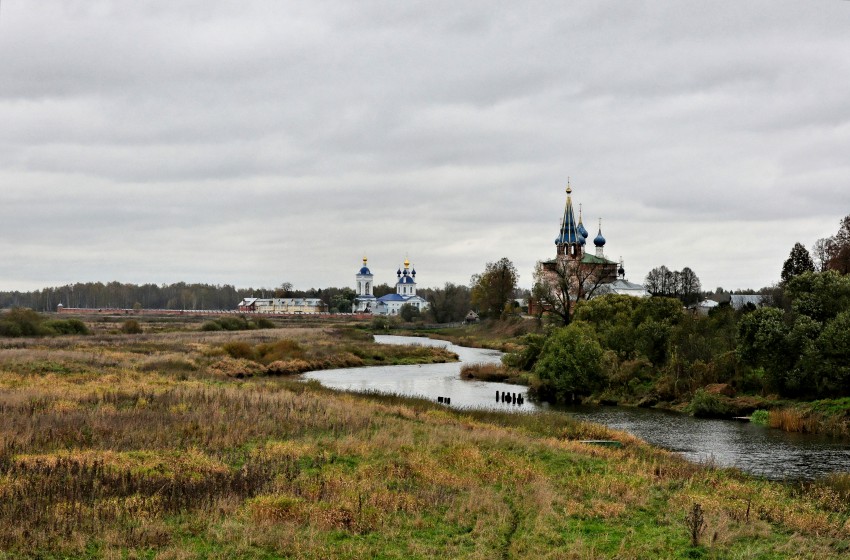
(364, 280)
(570, 241)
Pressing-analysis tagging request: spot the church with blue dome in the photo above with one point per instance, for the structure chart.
(589, 274)
(390, 304)
(572, 240)
(365, 300)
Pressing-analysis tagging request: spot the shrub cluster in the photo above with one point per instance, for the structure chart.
(26, 322)
(241, 323)
(653, 350)
(709, 405)
(131, 326)
(803, 350)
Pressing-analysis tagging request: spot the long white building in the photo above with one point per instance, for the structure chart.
(282, 305)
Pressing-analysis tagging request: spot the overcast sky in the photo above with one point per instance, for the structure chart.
(260, 142)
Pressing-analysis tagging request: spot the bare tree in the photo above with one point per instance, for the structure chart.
(684, 284)
(838, 249)
(560, 284)
(689, 286)
(284, 291)
(820, 253)
(660, 281)
(654, 281)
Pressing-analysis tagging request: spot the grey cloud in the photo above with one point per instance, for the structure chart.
(266, 141)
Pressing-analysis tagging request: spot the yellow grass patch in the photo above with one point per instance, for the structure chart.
(192, 462)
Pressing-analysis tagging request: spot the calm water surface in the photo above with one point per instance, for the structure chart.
(427, 380)
(755, 449)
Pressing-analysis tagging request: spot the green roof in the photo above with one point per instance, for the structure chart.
(593, 259)
(587, 258)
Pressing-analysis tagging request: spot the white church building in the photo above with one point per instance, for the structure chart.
(390, 304)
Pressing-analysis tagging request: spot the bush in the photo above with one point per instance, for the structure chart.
(409, 313)
(239, 350)
(526, 357)
(131, 326)
(381, 323)
(237, 324)
(21, 322)
(760, 417)
(285, 349)
(264, 323)
(570, 362)
(708, 405)
(63, 326)
(26, 322)
(10, 329)
(234, 323)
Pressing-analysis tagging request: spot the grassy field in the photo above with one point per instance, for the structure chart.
(188, 445)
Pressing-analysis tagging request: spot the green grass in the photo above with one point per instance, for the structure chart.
(832, 406)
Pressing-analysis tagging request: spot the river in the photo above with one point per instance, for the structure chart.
(755, 449)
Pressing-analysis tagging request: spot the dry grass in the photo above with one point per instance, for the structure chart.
(136, 446)
(795, 420)
(804, 419)
(485, 372)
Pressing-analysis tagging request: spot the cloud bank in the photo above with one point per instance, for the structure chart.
(254, 143)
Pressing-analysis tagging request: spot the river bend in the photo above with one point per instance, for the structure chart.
(755, 449)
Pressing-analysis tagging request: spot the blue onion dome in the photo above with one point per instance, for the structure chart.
(413, 272)
(365, 269)
(398, 272)
(581, 230)
(599, 241)
(582, 240)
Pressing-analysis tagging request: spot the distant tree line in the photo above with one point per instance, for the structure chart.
(684, 284)
(97, 295)
(449, 304)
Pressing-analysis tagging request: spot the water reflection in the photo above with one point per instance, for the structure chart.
(429, 380)
(755, 449)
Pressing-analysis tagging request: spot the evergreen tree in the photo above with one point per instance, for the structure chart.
(798, 262)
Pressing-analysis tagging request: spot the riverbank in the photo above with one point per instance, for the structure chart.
(504, 336)
(637, 383)
(827, 416)
(115, 447)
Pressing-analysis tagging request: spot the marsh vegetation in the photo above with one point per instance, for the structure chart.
(145, 445)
